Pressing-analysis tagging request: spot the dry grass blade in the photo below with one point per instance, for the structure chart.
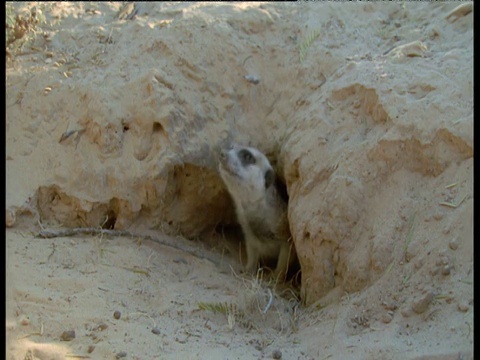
(452, 205)
(231, 311)
(305, 46)
(411, 223)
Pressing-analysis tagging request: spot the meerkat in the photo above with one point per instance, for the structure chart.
(260, 208)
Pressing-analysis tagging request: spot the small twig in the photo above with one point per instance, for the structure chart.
(389, 268)
(149, 257)
(452, 205)
(459, 11)
(50, 233)
(39, 333)
(244, 61)
(40, 224)
(411, 223)
(269, 302)
(469, 329)
(53, 251)
(135, 269)
(390, 49)
(430, 314)
(78, 356)
(53, 233)
(69, 133)
(143, 314)
(406, 278)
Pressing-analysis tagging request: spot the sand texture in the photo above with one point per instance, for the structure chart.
(115, 116)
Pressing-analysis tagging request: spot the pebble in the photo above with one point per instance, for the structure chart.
(182, 339)
(390, 305)
(418, 263)
(420, 304)
(387, 317)
(90, 349)
(121, 354)
(24, 320)
(463, 307)
(252, 79)
(277, 354)
(117, 314)
(406, 312)
(10, 218)
(68, 335)
(102, 327)
(446, 270)
(453, 244)
(438, 216)
(156, 330)
(434, 215)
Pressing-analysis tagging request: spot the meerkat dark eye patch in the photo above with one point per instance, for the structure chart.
(269, 178)
(246, 157)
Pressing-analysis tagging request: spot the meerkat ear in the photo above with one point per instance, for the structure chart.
(269, 178)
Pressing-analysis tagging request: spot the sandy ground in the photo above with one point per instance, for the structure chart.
(78, 283)
(156, 296)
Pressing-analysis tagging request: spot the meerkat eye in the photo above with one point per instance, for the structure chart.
(246, 157)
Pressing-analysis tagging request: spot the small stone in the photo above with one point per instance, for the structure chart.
(387, 317)
(420, 304)
(68, 335)
(24, 320)
(406, 311)
(418, 263)
(252, 79)
(181, 338)
(446, 270)
(102, 326)
(90, 349)
(121, 354)
(276, 354)
(10, 218)
(453, 244)
(117, 314)
(438, 216)
(463, 307)
(156, 330)
(391, 305)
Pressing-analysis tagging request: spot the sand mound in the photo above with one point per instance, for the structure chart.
(115, 115)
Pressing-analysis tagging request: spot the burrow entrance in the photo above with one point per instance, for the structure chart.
(195, 204)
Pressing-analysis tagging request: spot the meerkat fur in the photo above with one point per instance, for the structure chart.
(260, 209)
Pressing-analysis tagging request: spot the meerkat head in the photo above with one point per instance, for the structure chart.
(246, 172)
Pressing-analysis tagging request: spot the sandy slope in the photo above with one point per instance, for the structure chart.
(90, 132)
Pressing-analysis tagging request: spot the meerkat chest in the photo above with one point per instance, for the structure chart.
(262, 225)
(261, 230)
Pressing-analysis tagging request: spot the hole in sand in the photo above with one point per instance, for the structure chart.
(158, 128)
(110, 221)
